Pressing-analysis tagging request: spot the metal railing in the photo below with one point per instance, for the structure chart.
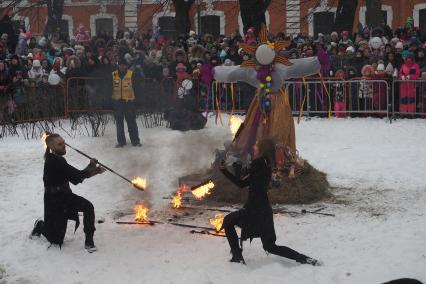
(21, 104)
(311, 97)
(408, 98)
(339, 98)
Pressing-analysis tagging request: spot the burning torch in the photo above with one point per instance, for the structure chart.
(137, 183)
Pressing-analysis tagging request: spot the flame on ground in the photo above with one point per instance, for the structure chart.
(139, 182)
(177, 199)
(234, 124)
(217, 221)
(202, 190)
(141, 213)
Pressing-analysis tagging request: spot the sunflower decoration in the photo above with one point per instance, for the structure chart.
(264, 55)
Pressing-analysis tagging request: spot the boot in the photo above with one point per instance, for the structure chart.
(89, 245)
(310, 260)
(237, 256)
(38, 229)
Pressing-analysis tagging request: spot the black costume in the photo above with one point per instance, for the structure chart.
(60, 204)
(185, 114)
(256, 218)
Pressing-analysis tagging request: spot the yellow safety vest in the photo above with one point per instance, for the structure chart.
(122, 88)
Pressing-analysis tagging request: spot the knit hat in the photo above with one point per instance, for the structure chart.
(180, 66)
(381, 67)
(350, 49)
(405, 53)
(389, 69)
(227, 62)
(367, 68)
(36, 63)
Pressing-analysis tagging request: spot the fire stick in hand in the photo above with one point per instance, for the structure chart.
(137, 183)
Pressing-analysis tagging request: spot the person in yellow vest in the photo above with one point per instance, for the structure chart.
(123, 104)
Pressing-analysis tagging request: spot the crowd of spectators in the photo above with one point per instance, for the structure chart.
(31, 61)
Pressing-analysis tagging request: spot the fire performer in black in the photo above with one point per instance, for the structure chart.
(60, 203)
(256, 218)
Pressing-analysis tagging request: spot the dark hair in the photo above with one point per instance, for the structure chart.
(49, 138)
(267, 149)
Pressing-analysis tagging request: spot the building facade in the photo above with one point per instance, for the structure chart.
(215, 16)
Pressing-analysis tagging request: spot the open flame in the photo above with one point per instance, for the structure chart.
(43, 139)
(139, 182)
(234, 124)
(203, 189)
(177, 199)
(141, 213)
(217, 222)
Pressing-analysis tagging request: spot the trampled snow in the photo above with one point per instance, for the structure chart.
(376, 170)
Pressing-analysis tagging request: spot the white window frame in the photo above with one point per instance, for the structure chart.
(26, 20)
(159, 15)
(313, 11)
(387, 8)
(416, 13)
(219, 13)
(98, 16)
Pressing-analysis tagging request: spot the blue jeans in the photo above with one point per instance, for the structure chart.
(125, 110)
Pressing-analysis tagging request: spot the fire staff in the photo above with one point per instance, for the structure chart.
(256, 218)
(60, 203)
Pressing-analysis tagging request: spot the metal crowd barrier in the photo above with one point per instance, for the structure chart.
(409, 98)
(229, 97)
(311, 97)
(88, 94)
(32, 103)
(339, 98)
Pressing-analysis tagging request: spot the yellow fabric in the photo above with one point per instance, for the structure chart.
(122, 88)
(279, 127)
(328, 94)
(303, 101)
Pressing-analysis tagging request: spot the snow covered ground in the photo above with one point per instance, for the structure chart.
(377, 171)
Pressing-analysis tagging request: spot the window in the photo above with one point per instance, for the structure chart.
(106, 25)
(65, 30)
(210, 25)
(385, 16)
(422, 22)
(167, 27)
(323, 22)
(18, 24)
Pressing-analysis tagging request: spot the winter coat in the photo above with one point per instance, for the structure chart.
(207, 74)
(36, 74)
(258, 221)
(379, 91)
(57, 210)
(324, 60)
(409, 71)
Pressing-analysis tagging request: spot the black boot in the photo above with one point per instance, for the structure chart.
(309, 260)
(89, 245)
(237, 256)
(38, 229)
